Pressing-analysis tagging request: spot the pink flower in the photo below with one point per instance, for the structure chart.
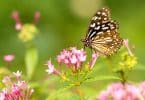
(72, 57)
(15, 89)
(118, 91)
(9, 58)
(51, 68)
(93, 60)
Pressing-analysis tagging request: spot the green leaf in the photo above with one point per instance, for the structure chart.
(31, 59)
(102, 78)
(59, 91)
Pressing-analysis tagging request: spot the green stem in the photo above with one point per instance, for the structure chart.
(122, 74)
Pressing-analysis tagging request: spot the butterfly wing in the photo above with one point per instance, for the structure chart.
(107, 43)
(102, 35)
(102, 16)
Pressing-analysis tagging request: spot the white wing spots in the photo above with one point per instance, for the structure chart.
(105, 18)
(98, 12)
(105, 28)
(112, 27)
(99, 33)
(93, 25)
(105, 9)
(103, 25)
(98, 23)
(102, 33)
(109, 24)
(112, 24)
(97, 28)
(95, 18)
(104, 14)
(92, 34)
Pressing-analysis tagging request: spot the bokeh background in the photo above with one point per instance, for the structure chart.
(62, 24)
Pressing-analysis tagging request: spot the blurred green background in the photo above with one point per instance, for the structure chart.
(62, 24)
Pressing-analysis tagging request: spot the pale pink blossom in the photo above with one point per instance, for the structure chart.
(93, 60)
(51, 68)
(9, 58)
(6, 79)
(17, 74)
(126, 44)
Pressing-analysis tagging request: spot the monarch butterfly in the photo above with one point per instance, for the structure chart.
(102, 35)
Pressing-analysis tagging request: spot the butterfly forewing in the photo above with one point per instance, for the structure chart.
(102, 35)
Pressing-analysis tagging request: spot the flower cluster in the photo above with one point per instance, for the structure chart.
(27, 31)
(119, 91)
(127, 61)
(18, 90)
(73, 59)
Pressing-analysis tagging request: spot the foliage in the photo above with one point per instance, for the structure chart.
(62, 24)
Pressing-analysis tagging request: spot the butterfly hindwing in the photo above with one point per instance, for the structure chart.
(107, 43)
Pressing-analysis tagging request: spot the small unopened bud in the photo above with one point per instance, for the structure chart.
(36, 17)
(126, 44)
(16, 17)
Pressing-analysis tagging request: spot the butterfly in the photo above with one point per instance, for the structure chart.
(102, 35)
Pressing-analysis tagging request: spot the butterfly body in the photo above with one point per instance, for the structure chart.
(102, 35)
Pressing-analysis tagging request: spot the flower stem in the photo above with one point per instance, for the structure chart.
(122, 75)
